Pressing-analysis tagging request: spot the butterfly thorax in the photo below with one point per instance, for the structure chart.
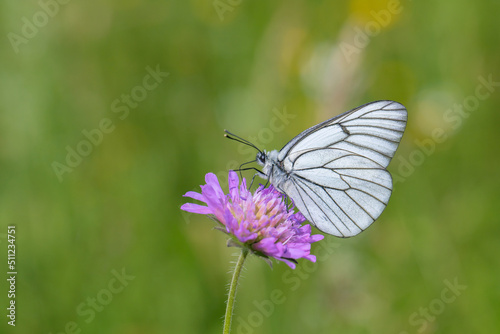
(272, 168)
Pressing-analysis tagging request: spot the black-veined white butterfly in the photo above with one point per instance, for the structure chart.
(335, 172)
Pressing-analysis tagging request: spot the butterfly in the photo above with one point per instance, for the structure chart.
(335, 172)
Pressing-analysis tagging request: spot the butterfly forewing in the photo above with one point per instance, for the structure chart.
(336, 169)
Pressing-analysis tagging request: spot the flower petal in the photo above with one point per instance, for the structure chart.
(269, 247)
(195, 195)
(211, 179)
(296, 251)
(316, 237)
(288, 262)
(311, 258)
(213, 200)
(233, 182)
(196, 208)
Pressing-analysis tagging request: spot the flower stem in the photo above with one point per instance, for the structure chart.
(232, 290)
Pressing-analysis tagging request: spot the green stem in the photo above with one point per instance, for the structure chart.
(232, 290)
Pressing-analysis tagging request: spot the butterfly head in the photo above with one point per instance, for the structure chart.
(267, 160)
(261, 158)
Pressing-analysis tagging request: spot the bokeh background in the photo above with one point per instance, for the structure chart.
(266, 71)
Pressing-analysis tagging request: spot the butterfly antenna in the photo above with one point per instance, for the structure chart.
(239, 139)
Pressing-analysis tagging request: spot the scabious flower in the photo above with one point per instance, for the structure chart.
(260, 221)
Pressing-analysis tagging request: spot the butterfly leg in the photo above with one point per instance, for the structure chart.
(251, 183)
(243, 164)
(268, 176)
(250, 168)
(285, 197)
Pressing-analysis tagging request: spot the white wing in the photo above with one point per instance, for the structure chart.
(337, 176)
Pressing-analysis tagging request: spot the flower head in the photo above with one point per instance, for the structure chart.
(260, 221)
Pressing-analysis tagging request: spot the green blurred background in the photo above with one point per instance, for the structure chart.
(66, 67)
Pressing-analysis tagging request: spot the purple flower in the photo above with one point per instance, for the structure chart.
(259, 221)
